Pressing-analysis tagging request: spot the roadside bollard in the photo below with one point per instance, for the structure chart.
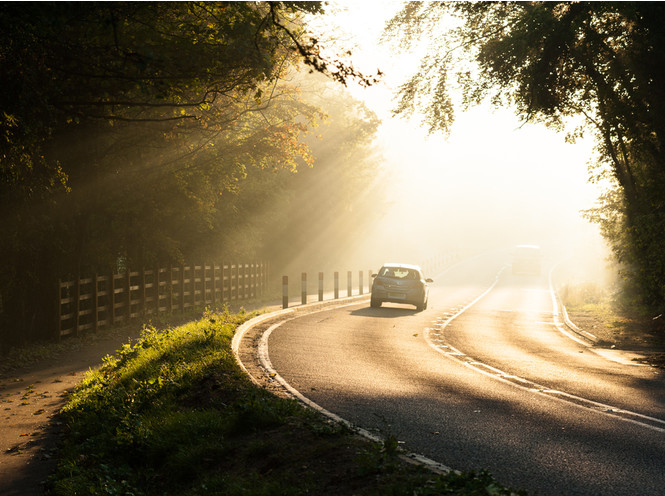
(360, 282)
(349, 283)
(303, 299)
(320, 286)
(336, 285)
(285, 291)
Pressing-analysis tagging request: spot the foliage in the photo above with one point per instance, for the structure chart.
(553, 61)
(129, 130)
(174, 414)
(327, 208)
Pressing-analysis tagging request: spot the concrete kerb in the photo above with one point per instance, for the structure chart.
(559, 310)
(287, 313)
(308, 307)
(571, 325)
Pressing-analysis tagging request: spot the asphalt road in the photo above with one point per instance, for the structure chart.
(497, 387)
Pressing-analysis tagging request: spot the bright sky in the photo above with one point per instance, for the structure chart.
(489, 175)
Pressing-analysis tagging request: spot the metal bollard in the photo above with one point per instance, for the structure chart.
(320, 286)
(285, 291)
(303, 298)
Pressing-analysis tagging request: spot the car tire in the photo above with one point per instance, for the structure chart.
(374, 303)
(421, 306)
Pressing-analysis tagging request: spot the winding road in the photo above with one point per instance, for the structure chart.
(485, 378)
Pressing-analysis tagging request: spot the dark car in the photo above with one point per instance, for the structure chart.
(400, 283)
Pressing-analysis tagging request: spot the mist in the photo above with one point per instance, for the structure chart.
(492, 183)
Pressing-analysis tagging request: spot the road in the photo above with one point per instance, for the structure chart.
(485, 383)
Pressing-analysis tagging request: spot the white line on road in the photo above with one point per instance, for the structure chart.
(652, 423)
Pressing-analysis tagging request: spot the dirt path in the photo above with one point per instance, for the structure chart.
(31, 397)
(29, 401)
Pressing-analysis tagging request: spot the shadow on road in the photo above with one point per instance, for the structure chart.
(385, 312)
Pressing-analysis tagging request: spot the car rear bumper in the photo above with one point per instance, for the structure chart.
(410, 297)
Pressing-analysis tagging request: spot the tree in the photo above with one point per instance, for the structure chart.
(552, 61)
(328, 207)
(125, 126)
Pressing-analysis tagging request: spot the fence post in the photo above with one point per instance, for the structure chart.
(155, 281)
(245, 278)
(222, 279)
(142, 290)
(349, 283)
(214, 285)
(320, 286)
(95, 302)
(111, 298)
(128, 299)
(336, 282)
(238, 282)
(182, 288)
(77, 304)
(59, 300)
(203, 284)
(170, 305)
(250, 278)
(285, 291)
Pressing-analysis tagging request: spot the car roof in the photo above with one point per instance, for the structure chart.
(402, 266)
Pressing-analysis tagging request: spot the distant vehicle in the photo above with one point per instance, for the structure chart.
(400, 283)
(527, 260)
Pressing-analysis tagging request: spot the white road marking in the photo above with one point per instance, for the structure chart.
(264, 359)
(652, 423)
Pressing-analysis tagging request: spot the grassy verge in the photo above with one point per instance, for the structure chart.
(593, 309)
(174, 415)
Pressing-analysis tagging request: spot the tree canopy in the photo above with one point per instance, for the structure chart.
(552, 61)
(130, 128)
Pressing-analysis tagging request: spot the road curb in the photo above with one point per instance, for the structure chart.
(571, 325)
(408, 457)
(308, 307)
(560, 311)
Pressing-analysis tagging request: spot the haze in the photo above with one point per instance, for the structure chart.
(492, 183)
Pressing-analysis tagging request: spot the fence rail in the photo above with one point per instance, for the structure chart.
(101, 301)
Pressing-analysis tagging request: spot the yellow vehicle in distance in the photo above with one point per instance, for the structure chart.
(527, 260)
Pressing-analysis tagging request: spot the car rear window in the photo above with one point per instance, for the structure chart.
(399, 273)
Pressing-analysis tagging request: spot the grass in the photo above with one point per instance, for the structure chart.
(173, 414)
(614, 323)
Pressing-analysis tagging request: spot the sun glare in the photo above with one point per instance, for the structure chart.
(493, 180)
